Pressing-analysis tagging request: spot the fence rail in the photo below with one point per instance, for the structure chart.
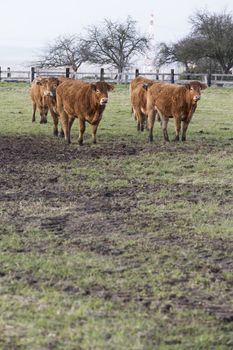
(124, 78)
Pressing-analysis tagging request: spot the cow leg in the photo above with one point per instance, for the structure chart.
(55, 122)
(46, 109)
(61, 133)
(177, 127)
(65, 125)
(43, 114)
(142, 121)
(71, 121)
(132, 113)
(184, 129)
(82, 127)
(151, 121)
(137, 118)
(164, 122)
(186, 121)
(140, 125)
(33, 112)
(94, 130)
(146, 122)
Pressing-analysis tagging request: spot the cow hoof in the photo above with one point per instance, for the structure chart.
(80, 143)
(183, 139)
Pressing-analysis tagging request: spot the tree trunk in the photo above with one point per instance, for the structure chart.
(119, 75)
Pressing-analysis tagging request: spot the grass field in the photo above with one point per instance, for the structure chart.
(119, 245)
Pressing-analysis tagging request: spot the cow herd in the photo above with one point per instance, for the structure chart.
(69, 99)
(152, 99)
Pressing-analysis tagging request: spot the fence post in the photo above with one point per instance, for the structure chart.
(157, 74)
(8, 72)
(172, 76)
(136, 72)
(209, 79)
(102, 74)
(32, 73)
(67, 72)
(0, 73)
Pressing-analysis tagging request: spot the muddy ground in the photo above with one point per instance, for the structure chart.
(36, 194)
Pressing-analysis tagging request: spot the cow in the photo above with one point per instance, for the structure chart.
(138, 100)
(172, 101)
(137, 81)
(50, 85)
(38, 100)
(82, 100)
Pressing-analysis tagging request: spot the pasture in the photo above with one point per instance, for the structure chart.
(118, 245)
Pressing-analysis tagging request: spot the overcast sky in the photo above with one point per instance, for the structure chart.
(27, 26)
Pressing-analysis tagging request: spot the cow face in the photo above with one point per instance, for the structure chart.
(38, 81)
(50, 86)
(195, 88)
(101, 89)
(147, 85)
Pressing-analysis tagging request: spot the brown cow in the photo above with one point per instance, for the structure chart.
(50, 85)
(82, 100)
(172, 100)
(138, 100)
(38, 100)
(138, 80)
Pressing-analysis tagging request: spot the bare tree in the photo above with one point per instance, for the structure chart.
(66, 51)
(187, 51)
(208, 46)
(114, 43)
(217, 31)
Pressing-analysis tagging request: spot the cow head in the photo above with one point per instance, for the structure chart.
(50, 85)
(37, 80)
(195, 88)
(147, 85)
(101, 89)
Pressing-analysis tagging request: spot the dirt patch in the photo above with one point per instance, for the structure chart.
(34, 194)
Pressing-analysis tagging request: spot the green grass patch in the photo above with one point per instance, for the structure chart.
(118, 245)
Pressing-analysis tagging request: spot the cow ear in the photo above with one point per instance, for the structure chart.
(110, 87)
(42, 80)
(57, 82)
(145, 86)
(93, 86)
(203, 86)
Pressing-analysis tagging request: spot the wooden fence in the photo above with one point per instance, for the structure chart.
(114, 77)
